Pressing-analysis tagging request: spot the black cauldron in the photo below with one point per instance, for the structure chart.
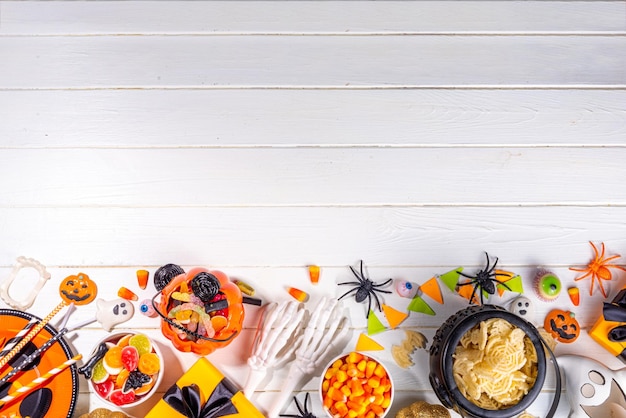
(445, 342)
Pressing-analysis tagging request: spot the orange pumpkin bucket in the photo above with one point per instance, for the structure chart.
(202, 310)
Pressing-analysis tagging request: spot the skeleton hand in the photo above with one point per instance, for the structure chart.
(326, 327)
(273, 344)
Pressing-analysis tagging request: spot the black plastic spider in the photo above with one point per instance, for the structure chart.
(365, 288)
(485, 280)
(304, 411)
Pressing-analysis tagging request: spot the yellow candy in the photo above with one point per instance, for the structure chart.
(183, 297)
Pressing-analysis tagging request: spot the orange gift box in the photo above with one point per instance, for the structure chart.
(204, 392)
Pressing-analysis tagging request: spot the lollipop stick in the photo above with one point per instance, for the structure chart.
(35, 384)
(31, 334)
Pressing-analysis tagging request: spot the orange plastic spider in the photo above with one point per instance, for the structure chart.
(598, 269)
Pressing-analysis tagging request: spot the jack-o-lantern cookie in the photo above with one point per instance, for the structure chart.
(562, 325)
(79, 289)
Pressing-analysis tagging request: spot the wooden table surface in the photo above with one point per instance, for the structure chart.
(257, 138)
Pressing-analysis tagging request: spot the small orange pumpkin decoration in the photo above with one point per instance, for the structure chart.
(562, 325)
(223, 336)
(79, 289)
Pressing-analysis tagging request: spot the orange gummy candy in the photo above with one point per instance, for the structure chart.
(149, 363)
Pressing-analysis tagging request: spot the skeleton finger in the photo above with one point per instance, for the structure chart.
(280, 324)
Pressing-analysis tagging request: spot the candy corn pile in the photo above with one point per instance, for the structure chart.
(356, 385)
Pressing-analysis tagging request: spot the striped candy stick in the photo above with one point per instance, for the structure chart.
(31, 334)
(35, 384)
(13, 341)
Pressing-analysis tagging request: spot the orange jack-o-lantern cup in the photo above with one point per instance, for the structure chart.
(177, 331)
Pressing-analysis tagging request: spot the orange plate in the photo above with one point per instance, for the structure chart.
(63, 387)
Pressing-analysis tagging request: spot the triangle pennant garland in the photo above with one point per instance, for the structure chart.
(451, 278)
(431, 289)
(365, 343)
(394, 316)
(374, 326)
(514, 284)
(419, 305)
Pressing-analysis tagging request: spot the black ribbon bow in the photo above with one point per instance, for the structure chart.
(616, 312)
(188, 400)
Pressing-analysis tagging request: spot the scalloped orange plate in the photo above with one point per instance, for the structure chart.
(59, 395)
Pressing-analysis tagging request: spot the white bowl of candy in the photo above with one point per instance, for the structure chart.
(129, 370)
(356, 384)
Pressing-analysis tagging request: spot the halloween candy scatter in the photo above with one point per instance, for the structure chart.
(201, 310)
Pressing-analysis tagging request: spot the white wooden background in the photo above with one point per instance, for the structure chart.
(259, 137)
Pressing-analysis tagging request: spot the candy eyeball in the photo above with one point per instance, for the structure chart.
(524, 308)
(406, 289)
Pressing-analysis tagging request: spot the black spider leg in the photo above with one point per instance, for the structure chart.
(490, 270)
(476, 287)
(361, 268)
(357, 284)
(474, 281)
(495, 275)
(385, 283)
(292, 415)
(361, 277)
(354, 289)
(304, 410)
(379, 290)
(369, 303)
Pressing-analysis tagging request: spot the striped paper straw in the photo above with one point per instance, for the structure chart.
(35, 384)
(31, 334)
(11, 343)
(28, 360)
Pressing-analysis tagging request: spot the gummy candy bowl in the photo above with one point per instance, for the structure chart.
(356, 384)
(202, 311)
(129, 371)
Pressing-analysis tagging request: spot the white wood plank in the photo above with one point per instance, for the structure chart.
(118, 118)
(290, 236)
(342, 17)
(302, 61)
(311, 176)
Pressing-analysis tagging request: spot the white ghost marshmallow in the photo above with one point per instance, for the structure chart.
(524, 308)
(113, 312)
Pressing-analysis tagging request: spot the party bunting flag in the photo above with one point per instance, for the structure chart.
(394, 316)
(418, 304)
(374, 326)
(451, 278)
(514, 284)
(365, 343)
(431, 289)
